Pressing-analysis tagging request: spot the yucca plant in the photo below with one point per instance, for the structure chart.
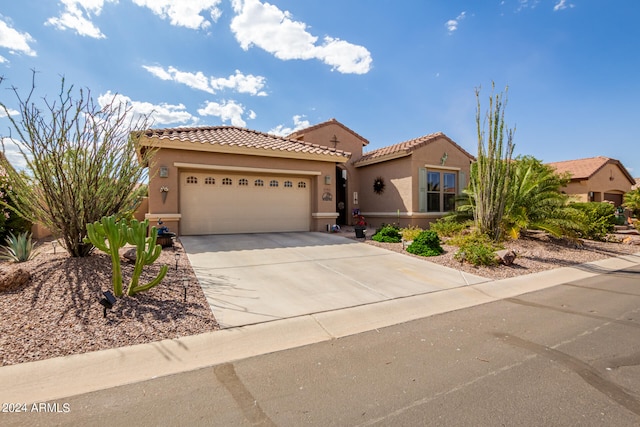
(19, 248)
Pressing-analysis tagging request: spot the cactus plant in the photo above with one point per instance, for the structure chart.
(109, 236)
(147, 252)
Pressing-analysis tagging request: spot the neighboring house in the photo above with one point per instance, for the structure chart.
(636, 185)
(596, 179)
(215, 180)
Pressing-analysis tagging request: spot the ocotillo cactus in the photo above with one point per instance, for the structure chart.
(146, 253)
(109, 236)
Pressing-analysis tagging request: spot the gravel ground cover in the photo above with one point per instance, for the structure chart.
(58, 313)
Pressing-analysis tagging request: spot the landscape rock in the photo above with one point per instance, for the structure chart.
(507, 256)
(14, 279)
(130, 255)
(632, 241)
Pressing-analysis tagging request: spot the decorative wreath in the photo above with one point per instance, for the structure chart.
(378, 185)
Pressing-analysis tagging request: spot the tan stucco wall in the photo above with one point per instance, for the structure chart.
(599, 184)
(403, 173)
(323, 135)
(169, 209)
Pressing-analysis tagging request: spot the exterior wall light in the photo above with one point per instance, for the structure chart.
(185, 285)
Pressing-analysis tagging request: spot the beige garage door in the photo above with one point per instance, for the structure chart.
(223, 203)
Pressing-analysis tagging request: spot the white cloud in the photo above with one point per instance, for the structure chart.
(11, 112)
(298, 123)
(238, 82)
(158, 113)
(271, 29)
(452, 24)
(561, 5)
(226, 111)
(15, 41)
(12, 153)
(184, 13)
(77, 15)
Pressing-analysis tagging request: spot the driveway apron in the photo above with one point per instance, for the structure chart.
(255, 278)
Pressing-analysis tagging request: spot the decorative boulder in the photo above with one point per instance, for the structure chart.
(130, 255)
(506, 256)
(14, 279)
(632, 241)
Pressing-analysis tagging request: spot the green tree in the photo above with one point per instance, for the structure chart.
(632, 201)
(81, 162)
(491, 173)
(534, 200)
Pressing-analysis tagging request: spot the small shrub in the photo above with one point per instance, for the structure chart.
(19, 248)
(598, 219)
(410, 232)
(447, 227)
(476, 249)
(388, 234)
(427, 243)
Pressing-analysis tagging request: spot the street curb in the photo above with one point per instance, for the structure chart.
(67, 376)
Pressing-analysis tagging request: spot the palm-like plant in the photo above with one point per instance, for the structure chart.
(632, 201)
(535, 201)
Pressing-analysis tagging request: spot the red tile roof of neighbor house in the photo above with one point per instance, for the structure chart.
(240, 137)
(586, 168)
(406, 148)
(300, 133)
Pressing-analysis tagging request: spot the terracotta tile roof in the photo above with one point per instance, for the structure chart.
(232, 136)
(637, 184)
(301, 132)
(406, 148)
(586, 168)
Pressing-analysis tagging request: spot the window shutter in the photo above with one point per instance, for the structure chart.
(462, 181)
(422, 190)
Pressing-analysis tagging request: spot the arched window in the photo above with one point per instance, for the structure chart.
(227, 181)
(302, 184)
(209, 180)
(288, 184)
(192, 180)
(243, 182)
(273, 183)
(258, 183)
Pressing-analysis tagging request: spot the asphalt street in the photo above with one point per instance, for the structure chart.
(567, 355)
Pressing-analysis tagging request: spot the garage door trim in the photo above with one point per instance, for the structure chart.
(245, 169)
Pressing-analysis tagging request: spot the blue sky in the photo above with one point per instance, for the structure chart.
(389, 70)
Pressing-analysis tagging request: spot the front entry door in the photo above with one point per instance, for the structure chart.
(341, 196)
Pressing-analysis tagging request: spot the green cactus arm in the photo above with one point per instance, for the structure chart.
(163, 272)
(96, 236)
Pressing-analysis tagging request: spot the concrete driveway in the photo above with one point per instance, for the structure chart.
(255, 278)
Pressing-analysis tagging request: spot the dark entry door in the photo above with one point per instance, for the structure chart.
(341, 196)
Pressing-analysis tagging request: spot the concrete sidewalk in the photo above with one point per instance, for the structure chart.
(72, 375)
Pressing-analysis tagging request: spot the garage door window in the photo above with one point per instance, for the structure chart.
(273, 183)
(227, 181)
(243, 182)
(302, 184)
(258, 183)
(288, 184)
(209, 180)
(192, 180)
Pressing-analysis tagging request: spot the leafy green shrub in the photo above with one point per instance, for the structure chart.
(10, 222)
(19, 248)
(598, 219)
(387, 234)
(427, 243)
(447, 227)
(476, 248)
(410, 232)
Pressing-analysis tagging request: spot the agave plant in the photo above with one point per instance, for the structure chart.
(19, 248)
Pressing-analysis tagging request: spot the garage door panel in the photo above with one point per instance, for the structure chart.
(235, 204)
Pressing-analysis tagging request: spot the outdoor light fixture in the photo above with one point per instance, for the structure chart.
(54, 243)
(107, 300)
(177, 258)
(185, 285)
(463, 255)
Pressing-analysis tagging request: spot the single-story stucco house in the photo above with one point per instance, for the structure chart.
(596, 179)
(224, 179)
